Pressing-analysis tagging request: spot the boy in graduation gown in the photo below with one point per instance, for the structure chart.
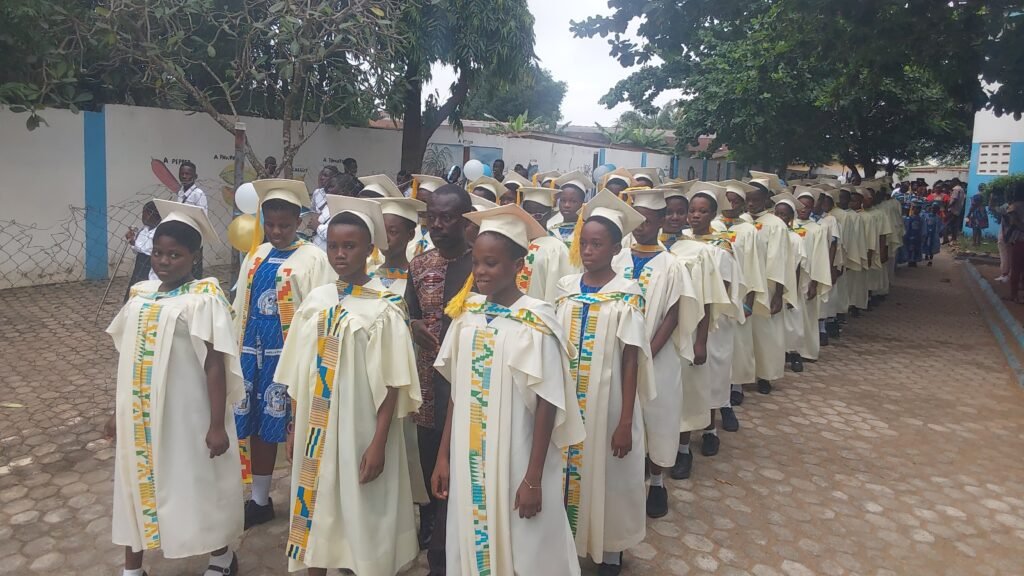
(617, 180)
(779, 264)
(547, 258)
(817, 247)
(707, 379)
(854, 251)
(423, 186)
(546, 179)
(375, 188)
(573, 193)
(513, 408)
(479, 204)
(672, 313)
(512, 182)
(273, 281)
(830, 217)
(736, 225)
(868, 229)
(677, 208)
(401, 221)
(602, 313)
(350, 368)
(645, 177)
(177, 485)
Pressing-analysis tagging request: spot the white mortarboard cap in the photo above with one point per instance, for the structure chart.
(575, 178)
(650, 198)
(427, 182)
(620, 174)
(480, 203)
(542, 196)
(676, 188)
(369, 211)
(488, 183)
(768, 180)
(786, 198)
(408, 208)
(608, 205)
(711, 190)
(541, 177)
(291, 191)
(649, 173)
(515, 179)
(510, 221)
(802, 191)
(382, 185)
(737, 187)
(192, 216)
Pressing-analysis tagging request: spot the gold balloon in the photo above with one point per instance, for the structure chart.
(241, 231)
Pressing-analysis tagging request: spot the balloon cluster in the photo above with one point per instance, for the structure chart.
(475, 169)
(243, 229)
(602, 170)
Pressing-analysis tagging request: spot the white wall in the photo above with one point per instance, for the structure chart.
(989, 128)
(42, 229)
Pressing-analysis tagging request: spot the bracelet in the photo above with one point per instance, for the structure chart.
(530, 486)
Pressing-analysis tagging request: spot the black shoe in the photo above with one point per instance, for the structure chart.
(832, 329)
(764, 386)
(840, 318)
(736, 397)
(796, 364)
(229, 571)
(855, 313)
(929, 262)
(683, 466)
(822, 339)
(657, 502)
(256, 514)
(610, 569)
(709, 444)
(729, 421)
(789, 357)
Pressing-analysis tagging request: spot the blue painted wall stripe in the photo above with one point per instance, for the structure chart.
(95, 195)
(600, 158)
(974, 180)
(643, 159)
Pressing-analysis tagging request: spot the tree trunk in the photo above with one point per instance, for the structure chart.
(413, 143)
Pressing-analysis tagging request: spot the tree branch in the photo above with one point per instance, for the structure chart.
(459, 92)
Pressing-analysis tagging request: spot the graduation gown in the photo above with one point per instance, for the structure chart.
(773, 245)
(547, 261)
(664, 282)
(500, 361)
(420, 243)
(168, 493)
(816, 240)
(742, 235)
(348, 346)
(605, 496)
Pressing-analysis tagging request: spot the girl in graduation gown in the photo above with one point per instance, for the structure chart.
(602, 313)
(513, 408)
(177, 480)
(817, 241)
(350, 368)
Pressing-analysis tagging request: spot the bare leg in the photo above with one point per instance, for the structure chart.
(316, 571)
(264, 455)
(132, 560)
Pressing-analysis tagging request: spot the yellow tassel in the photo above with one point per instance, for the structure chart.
(519, 196)
(415, 188)
(455, 308)
(535, 180)
(553, 185)
(574, 251)
(376, 254)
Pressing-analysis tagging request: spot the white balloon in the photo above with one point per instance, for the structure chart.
(246, 198)
(473, 169)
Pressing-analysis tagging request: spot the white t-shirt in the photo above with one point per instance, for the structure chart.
(194, 196)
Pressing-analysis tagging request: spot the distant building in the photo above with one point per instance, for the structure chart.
(997, 149)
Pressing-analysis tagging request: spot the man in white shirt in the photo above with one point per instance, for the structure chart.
(189, 193)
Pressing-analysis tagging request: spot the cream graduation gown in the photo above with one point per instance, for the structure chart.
(168, 492)
(347, 347)
(605, 495)
(773, 246)
(742, 235)
(664, 282)
(816, 239)
(500, 361)
(547, 261)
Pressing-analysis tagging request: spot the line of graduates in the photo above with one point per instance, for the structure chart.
(524, 372)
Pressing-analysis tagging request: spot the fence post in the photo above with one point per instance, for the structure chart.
(236, 261)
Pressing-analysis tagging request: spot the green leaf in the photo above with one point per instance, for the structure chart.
(211, 51)
(376, 10)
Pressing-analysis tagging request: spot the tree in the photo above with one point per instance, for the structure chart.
(872, 83)
(487, 42)
(540, 96)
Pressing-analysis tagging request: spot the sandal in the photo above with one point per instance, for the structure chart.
(231, 570)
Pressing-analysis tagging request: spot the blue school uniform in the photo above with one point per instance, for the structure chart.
(913, 227)
(265, 411)
(931, 235)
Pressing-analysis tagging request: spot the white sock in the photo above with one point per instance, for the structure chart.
(261, 489)
(657, 480)
(222, 561)
(684, 448)
(127, 572)
(821, 326)
(713, 432)
(611, 558)
(737, 388)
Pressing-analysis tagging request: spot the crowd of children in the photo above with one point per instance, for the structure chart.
(525, 373)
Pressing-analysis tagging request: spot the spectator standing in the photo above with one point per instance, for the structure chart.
(1014, 233)
(999, 213)
(977, 219)
(190, 193)
(498, 170)
(141, 240)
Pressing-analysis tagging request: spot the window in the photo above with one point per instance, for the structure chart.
(994, 159)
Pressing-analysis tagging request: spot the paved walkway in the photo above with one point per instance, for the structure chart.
(900, 452)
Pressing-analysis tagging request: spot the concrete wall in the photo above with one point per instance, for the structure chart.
(73, 187)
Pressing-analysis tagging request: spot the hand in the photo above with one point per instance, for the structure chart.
(289, 444)
(528, 500)
(812, 292)
(439, 479)
(217, 441)
(110, 428)
(130, 235)
(776, 306)
(372, 463)
(622, 440)
(422, 337)
(700, 354)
